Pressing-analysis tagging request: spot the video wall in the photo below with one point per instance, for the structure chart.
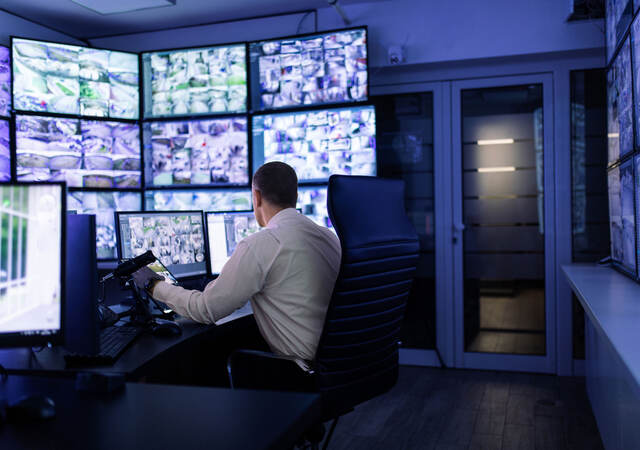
(184, 129)
(623, 134)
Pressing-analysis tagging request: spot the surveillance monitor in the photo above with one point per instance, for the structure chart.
(176, 238)
(225, 230)
(32, 240)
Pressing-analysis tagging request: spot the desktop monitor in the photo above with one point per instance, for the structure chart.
(176, 238)
(315, 69)
(225, 230)
(202, 152)
(312, 202)
(83, 153)
(206, 80)
(622, 216)
(319, 143)
(32, 243)
(5, 82)
(67, 79)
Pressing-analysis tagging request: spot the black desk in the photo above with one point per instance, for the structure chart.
(147, 355)
(147, 416)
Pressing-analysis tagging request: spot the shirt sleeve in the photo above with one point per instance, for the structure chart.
(241, 278)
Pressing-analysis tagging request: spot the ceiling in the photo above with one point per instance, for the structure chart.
(82, 23)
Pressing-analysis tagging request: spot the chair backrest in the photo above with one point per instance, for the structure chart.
(357, 357)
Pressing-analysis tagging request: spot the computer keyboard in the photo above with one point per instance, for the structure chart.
(113, 341)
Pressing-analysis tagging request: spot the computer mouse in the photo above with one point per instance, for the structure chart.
(32, 408)
(163, 327)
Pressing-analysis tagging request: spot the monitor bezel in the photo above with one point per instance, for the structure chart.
(56, 114)
(314, 181)
(161, 213)
(13, 340)
(255, 109)
(79, 119)
(149, 123)
(216, 213)
(143, 104)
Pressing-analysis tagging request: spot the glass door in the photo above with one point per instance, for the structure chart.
(503, 256)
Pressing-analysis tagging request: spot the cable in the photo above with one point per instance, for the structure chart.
(302, 20)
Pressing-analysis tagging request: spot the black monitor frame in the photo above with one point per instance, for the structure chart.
(165, 213)
(292, 111)
(11, 340)
(218, 213)
(255, 109)
(143, 103)
(56, 114)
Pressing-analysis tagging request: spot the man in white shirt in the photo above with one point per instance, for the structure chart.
(287, 270)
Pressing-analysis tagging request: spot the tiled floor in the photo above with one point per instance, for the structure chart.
(463, 409)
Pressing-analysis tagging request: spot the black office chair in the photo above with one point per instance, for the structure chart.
(357, 357)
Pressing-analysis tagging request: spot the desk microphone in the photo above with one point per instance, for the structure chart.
(129, 266)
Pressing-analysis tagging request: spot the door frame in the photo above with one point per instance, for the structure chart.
(495, 361)
(442, 198)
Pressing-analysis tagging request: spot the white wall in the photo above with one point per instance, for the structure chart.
(11, 25)
(432, 30)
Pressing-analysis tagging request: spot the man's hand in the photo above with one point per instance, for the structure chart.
(146, 278)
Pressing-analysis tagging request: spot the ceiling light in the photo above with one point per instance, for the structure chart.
(613, 135)
(495, 141)
(122, 6)
(496, 169)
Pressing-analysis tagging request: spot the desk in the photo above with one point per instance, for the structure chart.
(612, 305)
(147, 416)
(144, 356)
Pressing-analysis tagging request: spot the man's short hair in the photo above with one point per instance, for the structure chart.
(278, 184)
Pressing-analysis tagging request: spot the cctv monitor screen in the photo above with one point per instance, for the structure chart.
(104, 205)
(312, 202)
(5, 82)
(205, 200)
(319, 143)
(203, 152)
(67, 79)
(316, 69)
(622, 216)
(83, 153)
(31, 261)
(5, 151)
(175, 238)
(225, 230)
(620, 105)
(208, 80)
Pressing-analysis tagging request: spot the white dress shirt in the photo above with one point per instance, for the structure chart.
(288, 270)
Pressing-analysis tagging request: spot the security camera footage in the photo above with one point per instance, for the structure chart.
(5, 151)
(197, 152)
(104, 205)
(68, 79)
(225, 230)
(5, 82)
(622, 215)
(176, 239)
(312, 201)
(30, 259)
(320, 143)
(195, 81)
(84, 153)
(311, 70)
(620, 105)
(219, 200)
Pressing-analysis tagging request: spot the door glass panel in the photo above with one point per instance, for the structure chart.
(590, 202)
(503, 211)
(405, 151)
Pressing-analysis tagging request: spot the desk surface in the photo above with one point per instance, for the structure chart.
(145, 416)
(612, 302)
(144, 350)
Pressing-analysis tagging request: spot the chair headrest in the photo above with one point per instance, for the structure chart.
(368, 210)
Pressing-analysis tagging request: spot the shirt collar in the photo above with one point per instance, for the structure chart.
(280, 216)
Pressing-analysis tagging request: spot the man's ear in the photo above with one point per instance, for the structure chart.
(257, 195)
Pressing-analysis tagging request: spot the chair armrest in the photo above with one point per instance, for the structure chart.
(253, 369)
